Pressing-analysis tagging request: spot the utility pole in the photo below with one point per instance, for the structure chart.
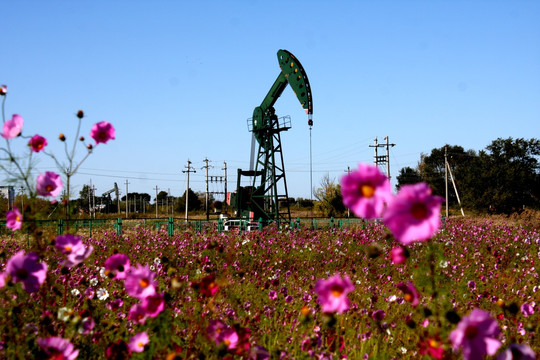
(127, 203)
(383, 159)
(225, 190)
(156, 202)
(446, 176)
(206, 201)
(190, 169)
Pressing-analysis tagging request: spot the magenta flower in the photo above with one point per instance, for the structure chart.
(37, 143)
(27, 269)
(153, 304)
(12, 128)
(398, 255)
(140, 282)
(137, 314)
(410, 293)
(73, 247)
(222, 334)
(413, 214)
(517, 352)
(332, 293)
(118, 265)
(476, 335)
(57, 348)
(365, 191)
(48, 184)
(138, 342)
(102, 132)
(14, 219)
(3, 279)
(527, 309)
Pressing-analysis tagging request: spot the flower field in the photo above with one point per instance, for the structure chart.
(278, 294)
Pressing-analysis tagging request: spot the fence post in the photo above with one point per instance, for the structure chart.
(170, 227)
(90, 226)
(314, 224)
(260, 224)
(332, 222)
(119, 226)
(220, 225)
(60, 227)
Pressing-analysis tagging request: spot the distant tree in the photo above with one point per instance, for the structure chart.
(510, 175)
(330, 201)
(305, 203)
(408, 175)
(194, 203)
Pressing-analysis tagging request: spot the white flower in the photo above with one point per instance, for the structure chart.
(75, 292)
(157, 261)
(102, 272)
(152, 267)
(64, 314)
(443, 264)
(102, 294)
(392, 298)
(93, 281)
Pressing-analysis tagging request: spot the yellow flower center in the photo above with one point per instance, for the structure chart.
(367, 190)
(49, 188)
(67, 248)
(140, 344)
(336, 290)
(408, 297)
(433, 343)
(144, 283)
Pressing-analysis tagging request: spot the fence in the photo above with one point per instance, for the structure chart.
(172, 225)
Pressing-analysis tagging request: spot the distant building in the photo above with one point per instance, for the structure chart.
(8, 192)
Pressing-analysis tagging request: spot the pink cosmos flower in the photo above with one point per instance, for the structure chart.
(12, 128)
(3, 278)
(117, 265)
(48, 184)
(27, 269)
(366, 191)
(102, 132)
(73, 247)
(138, 342)
(413, 214)
(37, 143)
(517, 352)
(222, 334)
(527, 309)
(476, 335)
(140, 282)
(410, 293)
(58, 348)
(398, 255)
(137, 314)
(332, 293)
(153, 304)
(14, 219)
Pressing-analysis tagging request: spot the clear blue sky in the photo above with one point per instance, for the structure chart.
(179, 79)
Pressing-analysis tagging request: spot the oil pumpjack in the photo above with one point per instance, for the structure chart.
(261, 200)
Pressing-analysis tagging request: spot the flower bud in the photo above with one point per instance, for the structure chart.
(3, 90)
(62, 137)
(80, 114)
(81, 138)
(89, 146)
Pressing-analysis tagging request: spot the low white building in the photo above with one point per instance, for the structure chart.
(8, 192)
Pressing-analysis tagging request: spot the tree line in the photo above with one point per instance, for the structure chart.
(502, 178)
